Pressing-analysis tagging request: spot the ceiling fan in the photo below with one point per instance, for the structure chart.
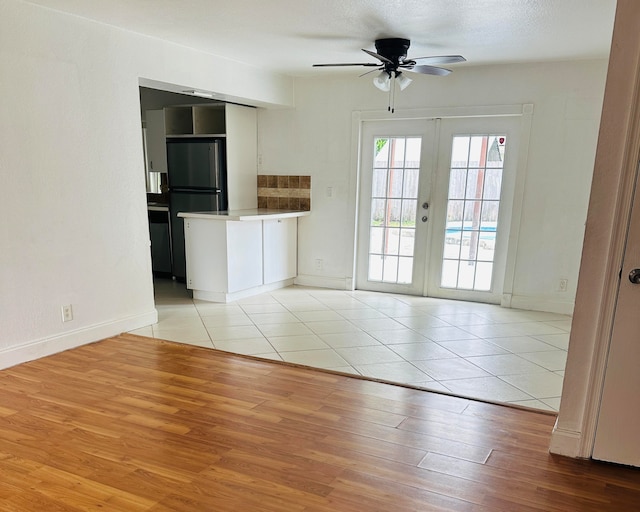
(392, 54)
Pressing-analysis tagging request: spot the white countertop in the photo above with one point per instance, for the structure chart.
(251, 214)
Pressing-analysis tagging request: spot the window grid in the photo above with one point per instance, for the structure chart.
(472, 211)
(393, 209)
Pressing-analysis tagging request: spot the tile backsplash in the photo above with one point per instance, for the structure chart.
(284, 192)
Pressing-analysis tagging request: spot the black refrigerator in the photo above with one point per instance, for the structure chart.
(197, 183)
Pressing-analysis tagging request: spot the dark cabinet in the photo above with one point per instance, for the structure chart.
(160, 231)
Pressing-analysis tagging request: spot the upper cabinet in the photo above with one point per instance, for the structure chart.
(236, 123)
(242, 156)
(196, 121)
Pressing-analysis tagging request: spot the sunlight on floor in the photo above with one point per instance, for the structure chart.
(474, 350)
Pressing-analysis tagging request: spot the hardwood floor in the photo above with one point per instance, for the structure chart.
(137, 424)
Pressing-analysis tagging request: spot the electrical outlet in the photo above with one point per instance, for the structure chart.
(67, 313)
(562, 285)
(319, 264)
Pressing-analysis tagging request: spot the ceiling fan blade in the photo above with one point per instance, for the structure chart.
(439, 59)
(429, 70)
(369, 72)
(347, 64)
(378, 56)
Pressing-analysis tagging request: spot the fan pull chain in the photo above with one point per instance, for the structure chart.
(392, 95)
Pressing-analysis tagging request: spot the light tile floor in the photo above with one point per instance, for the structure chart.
(474, 350)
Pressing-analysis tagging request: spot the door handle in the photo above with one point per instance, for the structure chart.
(425, 219)
(425, 205)
(634, 276)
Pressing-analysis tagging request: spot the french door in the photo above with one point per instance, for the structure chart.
(435, 206)
(397, 160)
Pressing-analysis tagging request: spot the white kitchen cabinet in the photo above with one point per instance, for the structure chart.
(280, 247)
(222, 257)
(241, 124)
(156, 143)
(231, 255)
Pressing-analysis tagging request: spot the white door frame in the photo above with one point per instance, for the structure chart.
(524, 111)
(617, 426)
(615, 168)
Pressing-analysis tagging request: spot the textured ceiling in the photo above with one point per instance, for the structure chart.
(288, 36)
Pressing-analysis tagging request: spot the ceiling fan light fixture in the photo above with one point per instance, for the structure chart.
(403, 81)
(382, 81)
(391, 53)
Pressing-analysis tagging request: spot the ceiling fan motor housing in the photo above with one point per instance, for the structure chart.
(395, 49)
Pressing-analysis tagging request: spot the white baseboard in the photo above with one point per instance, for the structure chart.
(506, 300)
(542, 304)
(567, 443)
(52, 345)
(335, 283)
(230, 297)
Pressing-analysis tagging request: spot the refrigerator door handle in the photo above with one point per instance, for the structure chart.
(214, 162)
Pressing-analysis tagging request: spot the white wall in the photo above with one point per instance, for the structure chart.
(316, 138)
(72, 197)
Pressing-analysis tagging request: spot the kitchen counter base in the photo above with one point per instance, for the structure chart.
(228, 259)
(224, 297)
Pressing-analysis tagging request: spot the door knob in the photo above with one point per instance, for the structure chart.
(425, 219)
(634, 276)
(425, 205)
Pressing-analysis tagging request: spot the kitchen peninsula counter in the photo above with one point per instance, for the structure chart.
(250, 214)
(239, 253)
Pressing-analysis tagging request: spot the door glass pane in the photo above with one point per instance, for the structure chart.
(394, 207)
(390, 270)
(475, 182)
(381, 156)
(410, 188)
(458, 183)
(492, 184)
(378, 207)
(466, 275)
(395, 183)
(476, 151)
(407, 244)
(405, 270)
(460, 153)
(375, 267)
(408, 217)
(397, 150)
(450, 273)
(379, 186)
(375, 240)
(483, 276)
(392, 241)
